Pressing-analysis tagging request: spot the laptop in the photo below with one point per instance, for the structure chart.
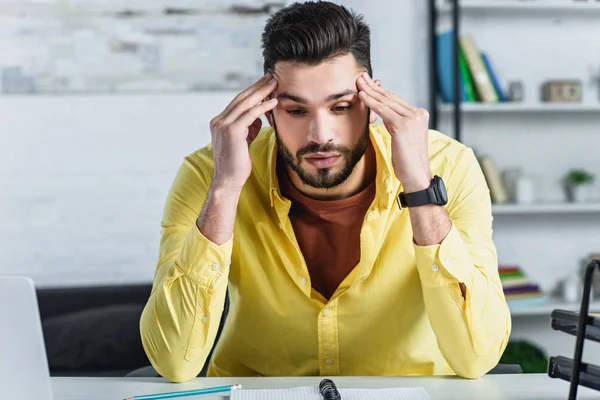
(24, 372)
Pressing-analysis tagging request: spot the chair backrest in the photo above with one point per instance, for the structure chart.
(507, 369)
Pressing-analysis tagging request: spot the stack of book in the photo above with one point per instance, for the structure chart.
(479, 81)
(518, 289)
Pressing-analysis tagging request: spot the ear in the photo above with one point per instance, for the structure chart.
(374, 115)
(269, 116)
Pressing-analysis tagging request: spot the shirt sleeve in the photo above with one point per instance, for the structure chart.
(181, 318)
(473, 329)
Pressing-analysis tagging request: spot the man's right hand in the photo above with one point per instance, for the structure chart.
(235, 129)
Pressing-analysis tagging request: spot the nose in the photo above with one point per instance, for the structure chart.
(320, 130)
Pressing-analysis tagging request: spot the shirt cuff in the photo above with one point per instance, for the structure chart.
(446, 263)
(203, 261)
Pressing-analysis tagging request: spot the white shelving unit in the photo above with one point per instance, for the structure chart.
(487, 20)
(535, 6)
(545, 208)
(499, 108)
(551, 305)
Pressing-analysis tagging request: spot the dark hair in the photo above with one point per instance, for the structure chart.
(314, 32)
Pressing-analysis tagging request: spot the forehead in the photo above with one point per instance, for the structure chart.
(315, 82)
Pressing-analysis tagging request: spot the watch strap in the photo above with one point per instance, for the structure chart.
(416, 199)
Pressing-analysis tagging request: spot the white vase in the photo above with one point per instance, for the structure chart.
(525, 190)
(580, 193)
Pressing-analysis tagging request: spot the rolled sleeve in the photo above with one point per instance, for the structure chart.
(445, 263)
(203, 261)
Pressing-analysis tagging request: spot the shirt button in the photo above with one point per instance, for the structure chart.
(326, 313)
(435, 268)
(329, 362)
(216, 266)
(303, 281)
(205, 319)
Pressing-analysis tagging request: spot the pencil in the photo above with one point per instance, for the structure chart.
(185, 393)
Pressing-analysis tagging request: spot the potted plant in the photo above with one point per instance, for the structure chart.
(577, 185)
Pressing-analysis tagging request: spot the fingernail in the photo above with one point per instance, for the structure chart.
(361, 80)
(272, 81)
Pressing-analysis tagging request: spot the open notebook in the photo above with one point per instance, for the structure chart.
(310, 392)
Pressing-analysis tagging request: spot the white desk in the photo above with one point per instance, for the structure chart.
(490, 387)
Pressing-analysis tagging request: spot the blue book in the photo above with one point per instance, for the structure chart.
(527, 302)
(445, 68)
(493, 77)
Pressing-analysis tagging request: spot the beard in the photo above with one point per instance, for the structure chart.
(325, 177)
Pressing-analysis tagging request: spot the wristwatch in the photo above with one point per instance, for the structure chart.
(434, 194)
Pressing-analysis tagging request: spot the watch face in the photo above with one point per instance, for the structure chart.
(441, 189)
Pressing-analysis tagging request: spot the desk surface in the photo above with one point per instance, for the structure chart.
(490, 387)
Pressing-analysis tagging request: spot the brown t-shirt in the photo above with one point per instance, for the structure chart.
(328, 232)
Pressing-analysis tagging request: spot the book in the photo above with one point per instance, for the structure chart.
(308, 392)
(494, 77)
(445, 69)
(498, 191)
(514, 282)
(520, 296)
(524, 289)
(509, 275)
(506, 269)
(527, 302)
(482, 80)
(467, 79)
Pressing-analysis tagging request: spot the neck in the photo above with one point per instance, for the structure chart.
(363, 174)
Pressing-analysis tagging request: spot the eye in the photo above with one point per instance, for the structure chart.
(341, 109)
(296, 113)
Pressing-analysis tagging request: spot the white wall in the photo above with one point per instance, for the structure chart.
(84, 178)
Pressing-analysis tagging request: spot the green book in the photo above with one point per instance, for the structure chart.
(465, 74)
(504, 275)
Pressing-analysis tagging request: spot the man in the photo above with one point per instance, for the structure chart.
(340, 249)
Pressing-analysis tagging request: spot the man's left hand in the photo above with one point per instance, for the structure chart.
(408, 125)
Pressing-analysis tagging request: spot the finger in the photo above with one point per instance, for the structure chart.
(377, 92)
(380, 108)
(380, 89)
(397, 108)
(247, 118)
(251, 101)
(258, 84)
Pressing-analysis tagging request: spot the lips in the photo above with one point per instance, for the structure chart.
(323, 160)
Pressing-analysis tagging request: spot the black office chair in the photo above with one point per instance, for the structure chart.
(506, 369)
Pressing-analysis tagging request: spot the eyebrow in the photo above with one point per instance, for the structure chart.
(302, 100)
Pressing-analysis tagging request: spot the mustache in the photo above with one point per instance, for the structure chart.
(321, 148)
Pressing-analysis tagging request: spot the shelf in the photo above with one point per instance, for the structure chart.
(545, 208)
(581, 7)
(551, 305)
(522, 108)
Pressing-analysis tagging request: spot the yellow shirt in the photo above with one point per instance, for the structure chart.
(399, 312)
